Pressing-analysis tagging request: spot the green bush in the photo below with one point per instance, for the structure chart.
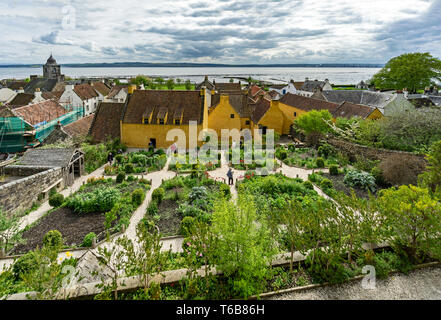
(308, 185)
(187, 225)
(326, 184)
(225, 190)
(99, 200)
(138, 196)
(360, 179)
(158, 195)
(88, 239)
(56, 200)
(333, 170)
(53, 239)
(281, 153)
(377, 173)
(197, 193)
(131, 178)
(120, 177)
(128, 168)
(326, 150)
(25, 264)
(322, 269)
(152, 208)
(319, 162)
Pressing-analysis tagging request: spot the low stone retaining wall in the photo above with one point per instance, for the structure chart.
(21, 194)
(354, 150)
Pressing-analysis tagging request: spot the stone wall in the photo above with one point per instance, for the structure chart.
(24, 171)
(354, 150)
(19, 195)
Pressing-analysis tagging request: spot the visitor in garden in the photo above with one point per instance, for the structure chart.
(230, 177)
(110, 158)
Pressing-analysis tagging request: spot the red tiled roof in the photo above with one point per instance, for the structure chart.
(151, 101)
(254, 90)
(349, 110)
(115, 90)
(106, 121)
(307, 104)
(80, 127)
(85, 91)
(43, 111)
(101, 88)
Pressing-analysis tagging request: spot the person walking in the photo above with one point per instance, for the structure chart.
(110, 158)
(230, 177)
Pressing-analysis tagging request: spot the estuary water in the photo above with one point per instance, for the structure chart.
(220, 74)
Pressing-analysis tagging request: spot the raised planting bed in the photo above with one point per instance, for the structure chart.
(137, 162)
(182, 197)
(181, 164)
(308, 158)
(85, 212)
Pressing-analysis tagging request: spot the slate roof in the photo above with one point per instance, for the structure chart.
(115, 90)
(21, 99)
(349, 110)
(206, 83)
(101, 88)
(43, 111)
(106, 121)
(44, 84)
(311, 85)
(436, 100)
(56, 95)
(47, 157)
(298, 84)
(151, 101)
(239, 101)
(80, 127)
(278, 86)
(368, 98)
(230, 87)
(15, 85)
(421, 102)
(85, 91)
(307, 104)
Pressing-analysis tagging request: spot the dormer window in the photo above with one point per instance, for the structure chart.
(146, 120)
(177, 122)
(161, 121)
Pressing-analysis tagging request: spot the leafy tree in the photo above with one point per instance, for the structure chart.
(160, 81)
(145, 258)
(140, 80)
(413, 218)
(411, 70)
(188, 85)
(170, 84)
(9, 231)
(314, 122)
(243, 246)
(432, 177)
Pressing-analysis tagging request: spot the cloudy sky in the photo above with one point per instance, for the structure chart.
(219, 31)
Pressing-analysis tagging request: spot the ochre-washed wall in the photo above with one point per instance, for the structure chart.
(139, 135)
(273, 118)
(290, 114)
(375, 115)
(19, 195)
(220, 117)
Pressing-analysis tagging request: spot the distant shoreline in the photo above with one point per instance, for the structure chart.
(197, 65)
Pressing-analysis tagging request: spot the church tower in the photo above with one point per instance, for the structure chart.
(51, 70)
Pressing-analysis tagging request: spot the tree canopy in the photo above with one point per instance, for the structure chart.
(411, 70)
(314, 121)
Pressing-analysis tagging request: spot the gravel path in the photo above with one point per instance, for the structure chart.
(422, 284)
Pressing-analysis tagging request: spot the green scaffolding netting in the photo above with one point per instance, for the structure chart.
(16, 134)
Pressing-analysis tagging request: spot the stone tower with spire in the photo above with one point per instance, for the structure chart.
(52, 70)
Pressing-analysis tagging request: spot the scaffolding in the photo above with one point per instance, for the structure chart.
(17, 135)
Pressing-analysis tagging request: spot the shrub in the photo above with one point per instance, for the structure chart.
(401, 169)
(225, 190)
(281, 153)
(326, 150)
(323, 269)
(187, 226)
(131, 178)
(319, 162)
(88, 239)
(99, 200)
(138, 196)
(152, 208)
(197, 193)
(377, 173)
(128, 168)
(360, 179)
(53, 239)
(118, 158)
(56, 200)
(308, 185)
(326, 184)
(25, 264)
(333, 170)
(120, 177)
(158, 195)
